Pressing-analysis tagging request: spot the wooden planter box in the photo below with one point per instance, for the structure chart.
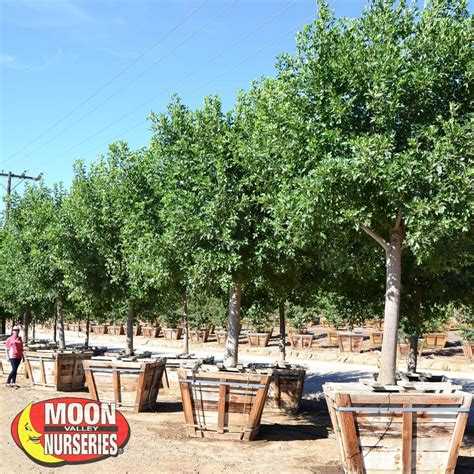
(211, 328)
(199, 335)
(403, 432)
(172, 333)
(259, 338)
(99, 329)
(403, 348)
(74, 327)
(131, 386)
(170, 387)
(434, 341)
(151, 331)
(221, 336)
(372, 324)
(83, 327)
(117, 330)
(223, 404)
(332, 338)
(376, 338)
(350, 342)
(137, 330)
(286, 387)
(302, 341)
(468, 349)
(58, 371)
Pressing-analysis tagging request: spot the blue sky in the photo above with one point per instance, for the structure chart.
(79, 74)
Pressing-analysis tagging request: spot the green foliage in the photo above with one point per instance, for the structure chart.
(205, 309)
(259, 317)
(299, 317)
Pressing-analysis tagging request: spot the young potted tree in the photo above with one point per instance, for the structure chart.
(172, 324)
(260, 321)
(299, 317)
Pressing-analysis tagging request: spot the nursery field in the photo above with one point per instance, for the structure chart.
(301, 443)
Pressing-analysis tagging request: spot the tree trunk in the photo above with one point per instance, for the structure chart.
(231, 354)
(129, 332)
(186, 324)
(3, 330)
(86, 340)
(55, 319)
(34, 329)
(393, 257)
(26, 322)
(413, 354)
(282, 341)
(60, 323)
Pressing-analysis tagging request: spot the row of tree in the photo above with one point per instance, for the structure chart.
(352, 163)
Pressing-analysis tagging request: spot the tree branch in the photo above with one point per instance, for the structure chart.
(399, 220)
(376, 237)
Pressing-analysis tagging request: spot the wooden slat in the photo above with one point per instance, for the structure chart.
(187, 404)
(353, 459)
(221, 410)
(456, 440)
(407, 431)
(90, 381)
(42, 372)
(116, 379)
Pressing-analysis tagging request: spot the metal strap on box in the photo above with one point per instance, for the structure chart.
(109, 370)
(403, 409)
(229, 384)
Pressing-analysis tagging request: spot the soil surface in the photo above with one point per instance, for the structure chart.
(158, 442)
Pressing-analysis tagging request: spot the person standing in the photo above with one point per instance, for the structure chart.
(14, 348)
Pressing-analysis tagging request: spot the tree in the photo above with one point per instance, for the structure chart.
(383, 109)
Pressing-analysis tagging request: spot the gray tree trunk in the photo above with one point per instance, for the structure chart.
(60, 324)
(282, 340)
(55, 325)
(129, 333)
(186, 323)
(86, 340)
(412, 354)
(26, 323)
(231, 354)
(393, 257)
(34, 329)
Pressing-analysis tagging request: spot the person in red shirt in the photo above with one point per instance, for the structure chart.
(14, 347)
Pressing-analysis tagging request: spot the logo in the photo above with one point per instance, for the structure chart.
(68, 430)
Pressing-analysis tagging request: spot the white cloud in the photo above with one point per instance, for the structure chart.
(9, 61)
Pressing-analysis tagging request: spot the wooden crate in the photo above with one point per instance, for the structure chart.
(131, 386)
(117, 330)
(303, 341)
(286, 386)
(223, 404)
(151, 331)
(199, 335)
(259, 338)
(137, 330)
(53, 370)
(332, 338)
(170, 388)
(434, 341)
(99, 328)
(373, 324)
(402, 431)
(376, 338)
(350, 342)
(403, 348)
(221, 336)
(172, 333)
(468, 349)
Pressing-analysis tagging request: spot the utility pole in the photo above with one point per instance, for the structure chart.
(9, 177)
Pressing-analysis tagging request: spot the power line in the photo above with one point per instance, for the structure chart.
(112, 79)
(234, 66)
(194, 33)
(198, 69)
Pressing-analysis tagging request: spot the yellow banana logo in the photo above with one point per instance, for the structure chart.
(30, 439)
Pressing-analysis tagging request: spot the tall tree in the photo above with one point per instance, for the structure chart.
(383, 103)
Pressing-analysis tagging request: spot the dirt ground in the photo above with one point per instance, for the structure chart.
(158, 443)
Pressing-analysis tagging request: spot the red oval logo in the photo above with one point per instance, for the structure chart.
(70, 430)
